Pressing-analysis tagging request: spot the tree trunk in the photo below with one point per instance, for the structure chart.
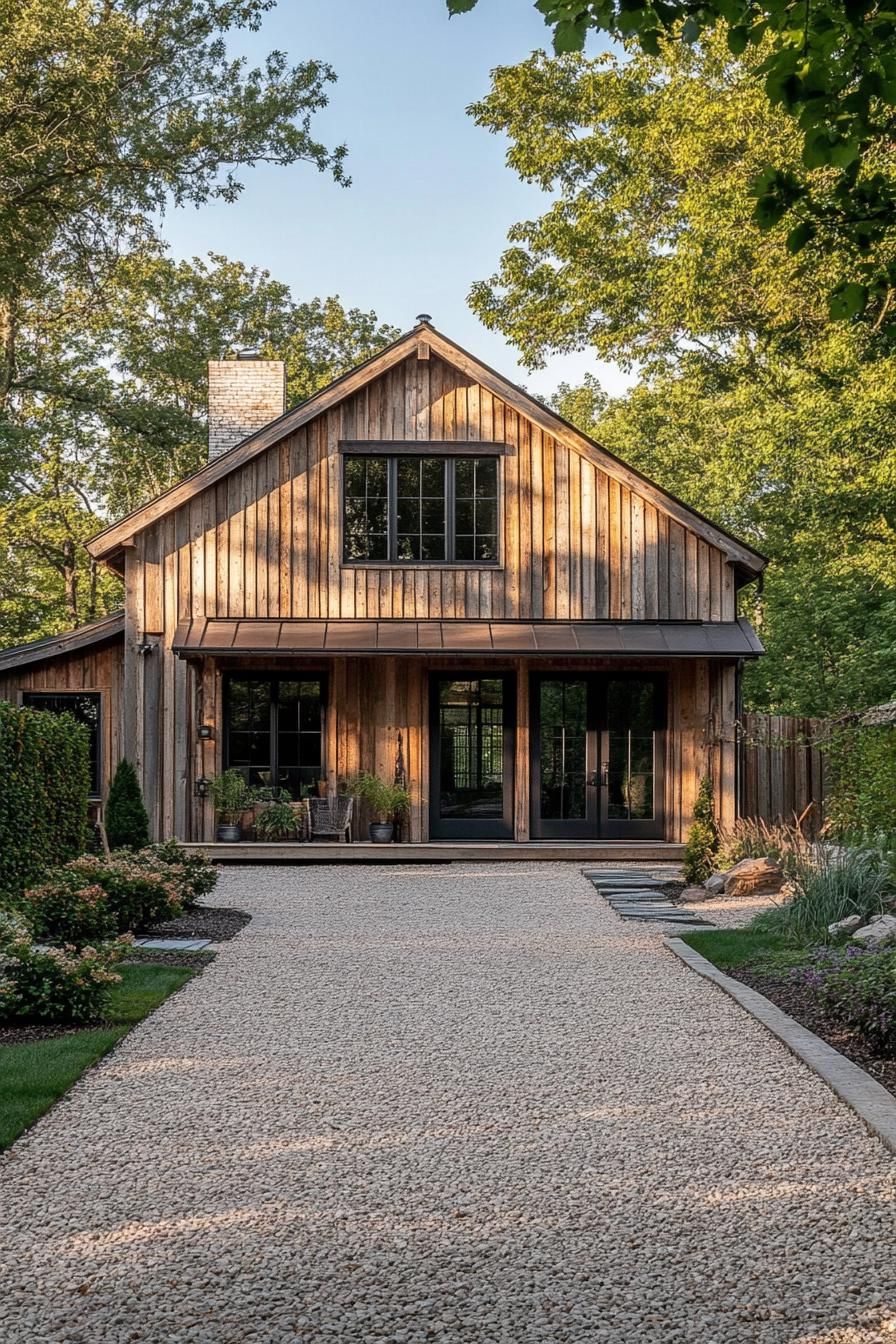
(7, 349)
(70, 575)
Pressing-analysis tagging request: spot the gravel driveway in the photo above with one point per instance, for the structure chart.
(454, 1104)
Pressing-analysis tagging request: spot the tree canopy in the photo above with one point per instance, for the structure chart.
(750, 403)
(831, 67)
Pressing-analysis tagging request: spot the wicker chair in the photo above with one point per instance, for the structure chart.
(332, 816)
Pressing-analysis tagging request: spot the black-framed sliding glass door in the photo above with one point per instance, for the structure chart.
(471, 749)
(274, 730)
(597, 756)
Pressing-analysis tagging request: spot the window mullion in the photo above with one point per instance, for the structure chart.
(392, 492)
(449, 510)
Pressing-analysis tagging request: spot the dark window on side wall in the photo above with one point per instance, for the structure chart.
(423, 510)
(84, 706)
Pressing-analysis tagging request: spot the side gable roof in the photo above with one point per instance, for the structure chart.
(106, 543)
(54, 646)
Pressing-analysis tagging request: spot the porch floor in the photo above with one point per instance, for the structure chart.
(447, 851)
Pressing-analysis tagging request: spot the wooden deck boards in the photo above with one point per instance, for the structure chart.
(619, 851)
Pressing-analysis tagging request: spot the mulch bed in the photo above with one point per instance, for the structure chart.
(27, 1035)
(216, 922)
(798, 1001)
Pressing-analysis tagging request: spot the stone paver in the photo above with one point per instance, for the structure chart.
(464, 1104)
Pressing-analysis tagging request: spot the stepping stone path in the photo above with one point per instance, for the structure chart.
(636, 895)
(173, 944)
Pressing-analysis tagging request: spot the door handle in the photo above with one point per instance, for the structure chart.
(602, 779)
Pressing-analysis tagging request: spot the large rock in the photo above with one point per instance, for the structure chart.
(845, 925)
(754, 877)
(880, 930)
(715, 883)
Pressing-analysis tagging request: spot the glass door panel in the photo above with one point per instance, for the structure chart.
(564, 783)
(471, 748)
(631, 754)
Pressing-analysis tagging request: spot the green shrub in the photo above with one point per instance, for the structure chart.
(127, 824)
(44, 787)
(703, 837)
(64, 910)
(862, 996)
(829, 886)
(861, 778)
(138, 896)
(58, 984)
(277, 821)
(192, 874)
(387, 802)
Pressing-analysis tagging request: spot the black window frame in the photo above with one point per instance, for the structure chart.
(30, 700)
(274, 679)
(449, 466)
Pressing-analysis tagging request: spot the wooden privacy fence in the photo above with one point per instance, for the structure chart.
(781, 769)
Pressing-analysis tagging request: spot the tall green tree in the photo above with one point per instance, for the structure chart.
(831, 66)
(750, 402)
(121, 412)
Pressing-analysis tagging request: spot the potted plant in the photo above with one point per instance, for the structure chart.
(231, 795)
(385, 801)
(276, 821)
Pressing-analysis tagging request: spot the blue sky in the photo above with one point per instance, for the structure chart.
(431, 198)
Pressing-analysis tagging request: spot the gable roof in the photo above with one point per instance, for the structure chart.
(106, 543)
(54, 646)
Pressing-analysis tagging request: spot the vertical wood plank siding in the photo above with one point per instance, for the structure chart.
(782, 771)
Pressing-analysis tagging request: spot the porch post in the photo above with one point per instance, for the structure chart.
(521, 765)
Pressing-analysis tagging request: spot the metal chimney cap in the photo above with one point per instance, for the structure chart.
(247, 354)
(424, 317)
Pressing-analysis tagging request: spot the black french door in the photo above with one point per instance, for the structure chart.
(274, 730)
(471, 748)
(597, 756)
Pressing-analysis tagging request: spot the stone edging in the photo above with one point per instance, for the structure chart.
(872, 1103)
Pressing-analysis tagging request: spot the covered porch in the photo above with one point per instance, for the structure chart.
(516, 739)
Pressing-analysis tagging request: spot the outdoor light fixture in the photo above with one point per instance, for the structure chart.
(205, 731)
(202, 787)
(145, 647)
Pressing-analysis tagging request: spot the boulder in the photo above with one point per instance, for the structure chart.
(754, 877)
(880, 930)
(715, 883)
(845, 925)
(692, 894)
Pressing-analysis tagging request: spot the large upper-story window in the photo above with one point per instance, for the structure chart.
(420, 510)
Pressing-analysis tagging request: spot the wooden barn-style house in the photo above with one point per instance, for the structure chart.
(420, 568)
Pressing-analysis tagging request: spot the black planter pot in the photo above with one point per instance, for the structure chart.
(228, 832)
(381, 832)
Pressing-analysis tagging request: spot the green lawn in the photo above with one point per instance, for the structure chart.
(731, 948)
(33, 1077)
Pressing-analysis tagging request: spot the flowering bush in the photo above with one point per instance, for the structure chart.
(192, 874)
(58, 984)
(856, 986)
(65, 910)
(138, 895)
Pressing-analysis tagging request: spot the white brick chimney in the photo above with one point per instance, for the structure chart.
(244, 395)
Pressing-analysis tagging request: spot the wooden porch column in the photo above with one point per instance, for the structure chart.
(522, 762)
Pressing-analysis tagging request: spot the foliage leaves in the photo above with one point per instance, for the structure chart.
(830, 65)
(44, 785)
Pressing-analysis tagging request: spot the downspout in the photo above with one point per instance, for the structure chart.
(738, 734)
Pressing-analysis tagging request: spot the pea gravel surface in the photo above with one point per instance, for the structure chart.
(446, 1104)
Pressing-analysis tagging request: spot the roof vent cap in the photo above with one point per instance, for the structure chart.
(251, 353)
(424, 317)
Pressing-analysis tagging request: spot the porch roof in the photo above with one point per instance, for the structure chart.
(273, 637)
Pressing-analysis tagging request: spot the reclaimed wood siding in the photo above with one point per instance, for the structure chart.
(95, 669)
(576, 544)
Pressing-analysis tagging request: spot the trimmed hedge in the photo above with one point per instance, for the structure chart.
(44, 788)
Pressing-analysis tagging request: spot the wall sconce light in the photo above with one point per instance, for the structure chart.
(205, 732)
(145, 647)
(202, 787)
